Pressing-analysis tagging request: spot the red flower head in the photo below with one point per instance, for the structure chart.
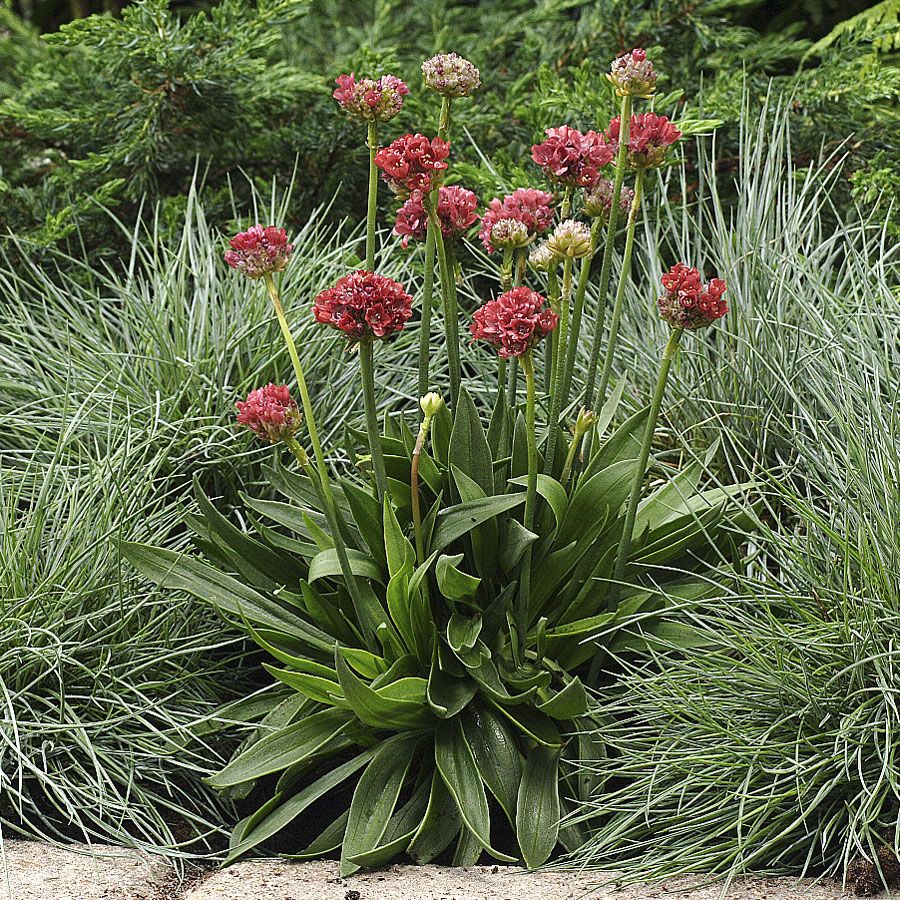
(364, 304)
(649, 137)
(370, 99)
(270, 413)
(408, 163)
(514, 323)
(456, 211)
(569, 157)
(529, 206)
(633, 75)
(688, 303)
(259, 251)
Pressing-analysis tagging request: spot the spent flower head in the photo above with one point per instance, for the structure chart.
(410, 163)
(570, 239)
(528, 205)
(688, 302)
(542, 258)
(509, 234)
(633, 75)
(370, 99)
(364, 305)
(598, 200)
(514, 323)
(456, 212)
(450, 75)
(259, 251)
(270, 413)
(571, 158)
(649, 137)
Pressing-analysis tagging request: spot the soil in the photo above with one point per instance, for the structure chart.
(32, 871)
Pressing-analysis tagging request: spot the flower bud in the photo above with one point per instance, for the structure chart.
(586, 420)
(598, 200)
(509, 234)
(450, 75)
(431, 404)
(259, 251)
(633, 75)
(270, 413)
(542, 258)
(370, 99)
(687, 302)
(570, 239)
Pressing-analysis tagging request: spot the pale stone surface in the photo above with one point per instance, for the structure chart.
(33, 871)
(273, 880)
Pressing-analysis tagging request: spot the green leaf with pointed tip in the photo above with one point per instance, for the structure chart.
(569, 703)
(469, 449)
(400, 554)
(532, 723)
(513, 542)
(439, 825)
(447, 695)
(368, 518)
(327, 565)
(624, 443)
(498, 761)
(456, 521)
(367, 664)
(376, 797)
(551, 490)
(453, 583)
(537, 810)
(463, 631)
(331, 837)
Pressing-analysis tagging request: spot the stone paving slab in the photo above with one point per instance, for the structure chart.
(33, 871)
(275, 880)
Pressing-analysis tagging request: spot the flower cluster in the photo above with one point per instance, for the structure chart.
(370, 99)
(270, 413)
(598, 200)
(451, 75)
(633, 75)
(514, 322)
(529, 206)
(649, 137)
(364, 304)
(409, 163)
(456, 212)
(570, 239)
(510, 234)
(688, 303)
(260, 250)
(569, 157)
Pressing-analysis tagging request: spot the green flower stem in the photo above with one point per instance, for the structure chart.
(577, 436)
(578, 309)
(444, 120)
(625, 542)
(372, 211)
(414, 489)
(427, 306)
(521, 262)
(620, 292)
(367, 369)
(559, 366)
(565, 208)
(448, 293)
(506, 271)
(523, 600)
(328, 501)
(606, 266)
(553, 342)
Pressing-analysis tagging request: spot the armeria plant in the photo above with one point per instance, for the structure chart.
(433, 619)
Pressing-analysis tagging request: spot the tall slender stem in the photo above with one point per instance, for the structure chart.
(578, 308)
(373, 428)
(331, 513)
(444, 120)
(559, 366)
(415, 500)
(522, 610)
(606, 266)
(628, 533)
(427, 306)
(448, 293)
(620, 292)
(372, 211)
(553, 342)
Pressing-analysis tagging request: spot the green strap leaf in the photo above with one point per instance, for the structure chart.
(569, 703)
(537, 811)
(469, 449)
(376, 797)
(463, 631)
(496, 757)
(551, 490)
(439, 825)
(455, 521)
(453, 583)
(446, 694)
(331, 837)
(326, 565)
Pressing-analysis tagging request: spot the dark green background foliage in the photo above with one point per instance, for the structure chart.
(112, 109)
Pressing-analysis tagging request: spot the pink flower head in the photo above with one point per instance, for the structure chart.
(514, 323)
(259, 251)
(529, 206)
(569, 157)
(451, 75)
(270, 413)
(649, 137)
(598, 200)
(409, 163)
(363, 305)
(633, 75)
(687, 302)
(370, 99)
(456, 211)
